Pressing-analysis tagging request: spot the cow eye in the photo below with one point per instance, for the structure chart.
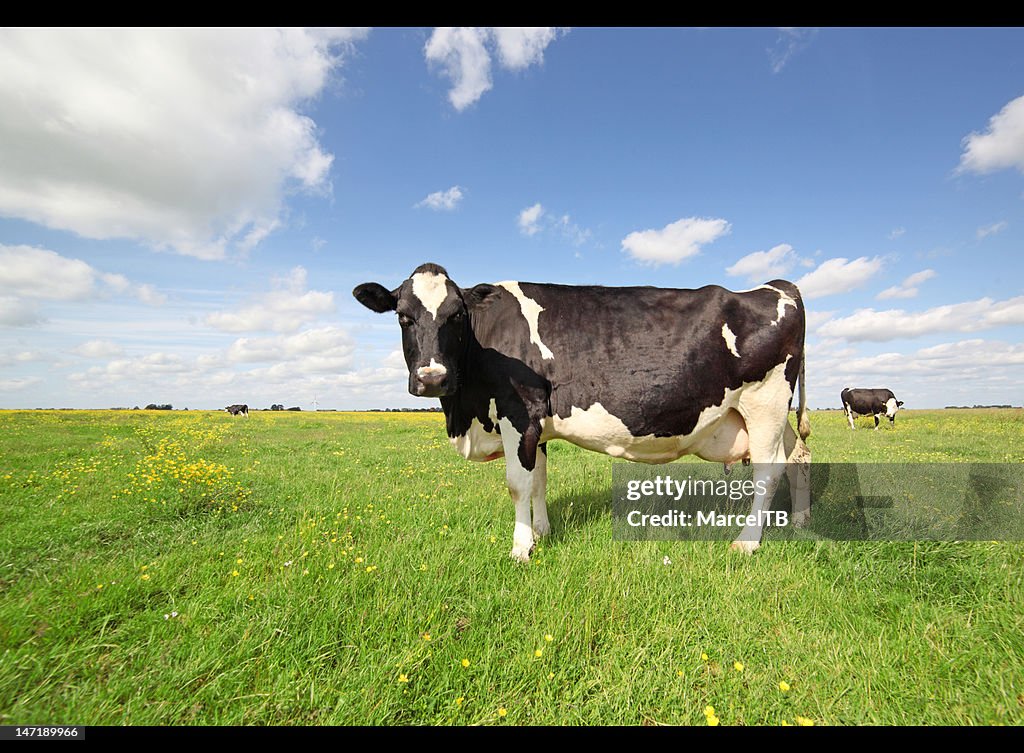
(405, 321)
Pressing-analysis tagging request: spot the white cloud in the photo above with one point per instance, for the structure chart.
(536, 219)
(995, 227)
(816, 318)
(29, 274)
(522, 46)
(1001, 146)
(463, 55)
(12, 358)
(529, 219)
(149, 295)
(466, 62)
(572, 232)
(285, 309)
(838, 275)
(17, 312)
(674, 242)
(765, 265)
(98, 349)
(326, 348)
(442, 200)
(789, 42)
(9, 385)
(104, 132)
(969, 316)
(33, 272)
(907, 288)
(896, 233)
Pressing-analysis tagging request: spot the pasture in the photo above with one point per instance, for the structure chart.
(176, 568)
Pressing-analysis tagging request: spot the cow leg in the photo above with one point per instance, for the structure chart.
(876, 422)
(520, 481)
(541, 525)
(798, 469)
(766, 422)
(849, 417)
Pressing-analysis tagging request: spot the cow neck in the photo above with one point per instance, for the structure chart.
(460, 408)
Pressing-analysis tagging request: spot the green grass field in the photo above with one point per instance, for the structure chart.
(182, 568)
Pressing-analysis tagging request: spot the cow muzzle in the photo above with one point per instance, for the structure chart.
(430, 381)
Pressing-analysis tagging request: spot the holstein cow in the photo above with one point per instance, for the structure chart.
(643, 373)
(864, 402)
(236, 410)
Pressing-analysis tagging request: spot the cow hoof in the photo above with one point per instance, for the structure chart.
(747, 547)
(801, 519)
(541, 528)
(519, 554)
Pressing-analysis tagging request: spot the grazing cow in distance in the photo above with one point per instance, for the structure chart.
(642, 373)
(865, 402)
(236, 410)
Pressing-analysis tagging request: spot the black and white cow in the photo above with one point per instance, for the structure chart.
(238, 410)
(642, 373)
(864, 402)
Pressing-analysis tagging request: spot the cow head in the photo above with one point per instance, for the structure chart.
(891, 406)
(432, 311)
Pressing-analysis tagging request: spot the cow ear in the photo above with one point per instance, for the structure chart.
(899, 403)
(479, 295)
(376, 297)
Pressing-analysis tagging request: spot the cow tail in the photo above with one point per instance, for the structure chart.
(804, 423)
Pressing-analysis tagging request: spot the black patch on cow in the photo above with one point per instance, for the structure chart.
(376, 297)
(430, 268)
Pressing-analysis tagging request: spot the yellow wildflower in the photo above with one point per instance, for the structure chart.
(465, 662)
(502, 712)
(784, 686)
(403, 677)
(803, 721)
(738, 666)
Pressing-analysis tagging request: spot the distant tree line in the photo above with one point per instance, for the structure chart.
(404, 410)
(968, 407)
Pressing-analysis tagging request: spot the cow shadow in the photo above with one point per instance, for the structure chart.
(570, 511)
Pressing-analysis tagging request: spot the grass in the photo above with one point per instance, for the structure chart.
(298, 569)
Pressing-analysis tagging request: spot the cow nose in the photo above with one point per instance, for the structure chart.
(432, 380)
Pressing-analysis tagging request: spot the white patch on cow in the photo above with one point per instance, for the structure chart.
(531, 312)
(431, 289)
(784, 300)
(477, 443)
(434, 369)
(891, 407)
(730, 340)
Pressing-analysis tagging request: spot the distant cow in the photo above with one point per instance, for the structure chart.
(642, 373)
(864, 402)
(236, 410)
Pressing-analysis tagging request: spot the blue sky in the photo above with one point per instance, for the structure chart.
(183, 214)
